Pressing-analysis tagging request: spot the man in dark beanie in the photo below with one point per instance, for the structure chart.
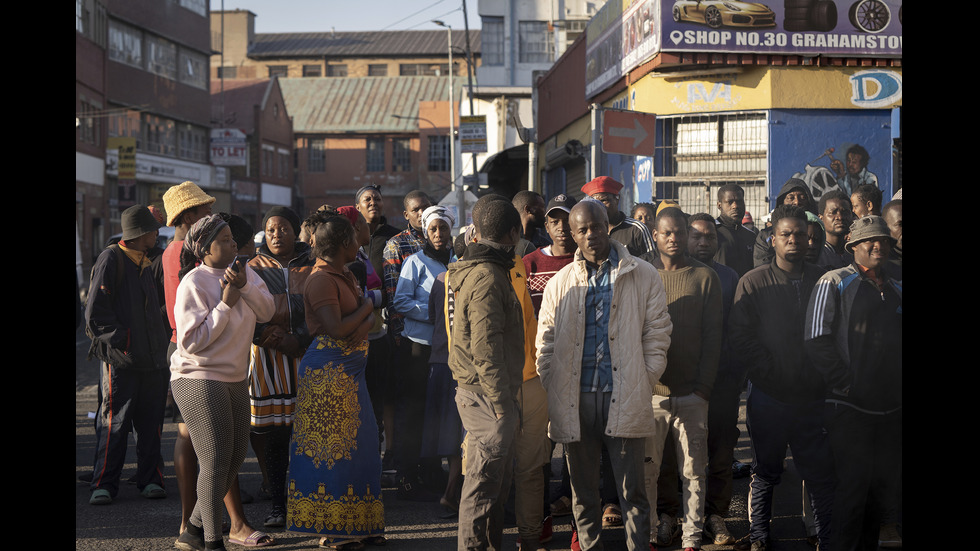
(123, 317)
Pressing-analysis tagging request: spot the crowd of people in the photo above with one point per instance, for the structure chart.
(353, 357)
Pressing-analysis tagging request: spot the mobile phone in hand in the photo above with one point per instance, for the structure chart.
(240, 261)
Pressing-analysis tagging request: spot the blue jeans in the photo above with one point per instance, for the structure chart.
(132, 399)
(774, 426)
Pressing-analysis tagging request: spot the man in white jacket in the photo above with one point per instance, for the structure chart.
(603, 334)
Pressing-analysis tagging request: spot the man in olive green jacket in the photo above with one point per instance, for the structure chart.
(486, 357)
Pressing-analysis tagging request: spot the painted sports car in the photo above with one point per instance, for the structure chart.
(724, 13)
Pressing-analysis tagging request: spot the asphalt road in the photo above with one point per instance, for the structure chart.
(134, 523)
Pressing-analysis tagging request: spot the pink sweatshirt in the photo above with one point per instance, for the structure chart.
(212, 339)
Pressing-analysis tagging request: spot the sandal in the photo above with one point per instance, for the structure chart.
(376, 540)
(612, 516)
(561, 507)
(254, 540)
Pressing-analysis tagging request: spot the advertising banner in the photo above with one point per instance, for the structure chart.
(843, 27)
(473, 133)
(622, 35)
(228, 147)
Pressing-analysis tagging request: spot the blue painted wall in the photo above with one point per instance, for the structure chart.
(799, 141)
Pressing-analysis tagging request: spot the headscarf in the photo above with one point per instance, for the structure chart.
(202, 233)
(349, 213)
(437, 212)
(357, 196)
(429, 215)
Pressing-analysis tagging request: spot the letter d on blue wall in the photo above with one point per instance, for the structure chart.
(875, 89)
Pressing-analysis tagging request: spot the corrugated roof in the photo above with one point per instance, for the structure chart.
(359, 44)
(363, 105)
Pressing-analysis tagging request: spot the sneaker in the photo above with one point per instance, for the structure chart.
(153, 491)
(740, 470)
(761, 545)
(562, 507)
(575, 546)
(100, 497)
(888, 537)
(668, 531)
(547, 530)
(277, 518)
(742, 544)
(714, 528)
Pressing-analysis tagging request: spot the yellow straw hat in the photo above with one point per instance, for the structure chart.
(182, 197)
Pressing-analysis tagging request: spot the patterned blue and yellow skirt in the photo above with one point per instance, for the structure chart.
(334, 466)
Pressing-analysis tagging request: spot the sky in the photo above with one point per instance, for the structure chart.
(284, 16)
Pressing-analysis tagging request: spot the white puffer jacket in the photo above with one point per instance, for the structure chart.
(639, 334)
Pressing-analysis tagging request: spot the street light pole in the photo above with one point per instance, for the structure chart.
(460, 195)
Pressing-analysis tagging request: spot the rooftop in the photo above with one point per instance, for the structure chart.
(359, 44)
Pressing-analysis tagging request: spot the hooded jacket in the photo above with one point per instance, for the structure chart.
(762, 253)
(639, 335)
(486, 353)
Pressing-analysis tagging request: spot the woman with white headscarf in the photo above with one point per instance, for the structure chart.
(411, 299)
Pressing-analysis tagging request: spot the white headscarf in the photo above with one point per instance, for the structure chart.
(437, 212)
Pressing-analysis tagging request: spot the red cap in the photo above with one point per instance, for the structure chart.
(602, 184)
(747, 219)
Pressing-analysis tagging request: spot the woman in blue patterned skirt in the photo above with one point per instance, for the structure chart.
(335, 468)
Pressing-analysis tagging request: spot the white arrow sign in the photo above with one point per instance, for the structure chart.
(638, 133)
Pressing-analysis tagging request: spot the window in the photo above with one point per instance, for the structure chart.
(125, 44)
(312, 70)
(81, 16)
(401, 155)
(536, 45)
(126, 124)
(197, 6)
(278, 71)
(228, 72)
(193, 143)
(438, 153)
(316, 156)
(89, 124)
(283, 164)
(161, 57)
(337, 70)
(377, 70)
(492, 38)
(267, 154)
(193, 67)
(375, 154)
(426, 69)
(160, 134)
(700, 153)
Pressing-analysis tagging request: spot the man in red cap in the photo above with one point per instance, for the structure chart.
(631, 233)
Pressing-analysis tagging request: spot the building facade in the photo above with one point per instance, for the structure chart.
(252, 138)
(154, 110)
(388, 131)
(740, 96)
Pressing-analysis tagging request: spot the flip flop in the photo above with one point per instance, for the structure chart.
(254, 540)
